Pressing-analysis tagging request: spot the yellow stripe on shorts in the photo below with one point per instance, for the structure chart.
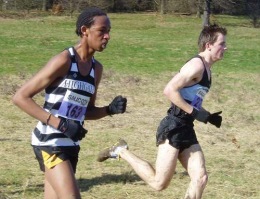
(50, 160)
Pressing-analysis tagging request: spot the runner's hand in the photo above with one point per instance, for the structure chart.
(118, 105)
(201, 115)
(215, 119)
(72, 129)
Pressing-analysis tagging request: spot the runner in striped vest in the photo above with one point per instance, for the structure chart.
(70, 80)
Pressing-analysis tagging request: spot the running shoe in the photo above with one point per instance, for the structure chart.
(112, 152)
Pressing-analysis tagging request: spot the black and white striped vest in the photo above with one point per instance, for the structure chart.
(69, 100)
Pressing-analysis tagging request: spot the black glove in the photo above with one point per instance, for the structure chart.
(215, 119)
(201, 115)
(72, 129)
(118, 105)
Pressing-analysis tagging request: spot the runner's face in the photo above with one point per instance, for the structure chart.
(219, 47)
(99, 33)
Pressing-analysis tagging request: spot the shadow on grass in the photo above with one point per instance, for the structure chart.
(20, 191)
(10, 139)
(84, 184)
(87, 184)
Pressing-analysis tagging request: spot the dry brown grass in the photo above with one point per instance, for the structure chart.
(232, 152)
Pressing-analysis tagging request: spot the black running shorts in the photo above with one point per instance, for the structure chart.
(50, 156)
(179, 132)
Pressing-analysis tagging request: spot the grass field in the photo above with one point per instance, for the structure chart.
(144, 52)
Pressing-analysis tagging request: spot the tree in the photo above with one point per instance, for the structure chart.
(44, 5)
(198, 8)
(47, 4)
(162, 6)
(206, 13)
(253, 11)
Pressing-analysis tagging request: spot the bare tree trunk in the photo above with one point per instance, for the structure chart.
(4, 5)
(71, 7)
(206, 14)
(198, 14)
(253, 10)
(44, 5)
(162, 6)
(15, 5)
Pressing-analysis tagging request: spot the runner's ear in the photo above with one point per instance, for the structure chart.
(84, 30)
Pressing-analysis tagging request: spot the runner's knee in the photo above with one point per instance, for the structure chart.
(159, 185)
(202, 181)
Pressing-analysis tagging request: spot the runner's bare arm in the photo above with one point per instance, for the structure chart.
(189, 74)
(53, 70)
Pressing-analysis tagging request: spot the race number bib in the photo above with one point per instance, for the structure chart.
(73, 106)
(198, 99)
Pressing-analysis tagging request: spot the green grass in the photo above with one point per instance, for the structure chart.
(148, 43)
(144, 52)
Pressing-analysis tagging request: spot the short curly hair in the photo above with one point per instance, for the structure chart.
(209, 34)
(86, 18)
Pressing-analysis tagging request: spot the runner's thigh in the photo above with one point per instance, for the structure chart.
(62, 179)
(166, 161)
(192, 159)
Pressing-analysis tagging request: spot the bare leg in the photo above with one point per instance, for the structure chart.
(160, 177)
(60, 182)
(193, 161)
(49, 192)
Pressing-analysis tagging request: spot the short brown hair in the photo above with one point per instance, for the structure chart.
(209, 34)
